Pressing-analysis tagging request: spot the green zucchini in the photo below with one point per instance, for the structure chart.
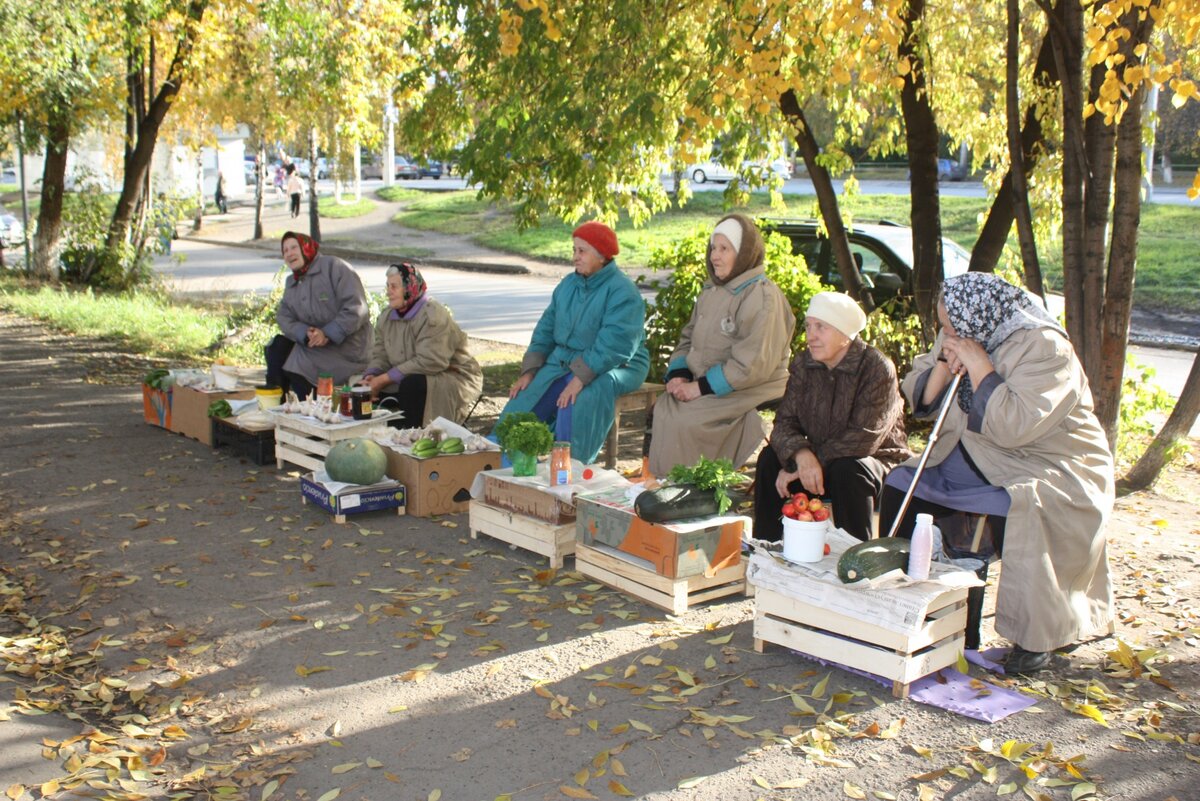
(676, 502)
(873, 558)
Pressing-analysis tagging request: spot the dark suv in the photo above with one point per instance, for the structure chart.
(883, 252)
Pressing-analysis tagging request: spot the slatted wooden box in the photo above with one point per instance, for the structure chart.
(551, 540)
(672, 595)
(848, 641)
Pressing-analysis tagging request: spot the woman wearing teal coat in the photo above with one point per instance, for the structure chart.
(587, 349)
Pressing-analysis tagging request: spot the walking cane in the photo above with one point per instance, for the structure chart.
(933, 435)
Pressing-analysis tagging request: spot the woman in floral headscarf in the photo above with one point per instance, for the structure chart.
(1019, 443)
(324, 319)
(420, 356)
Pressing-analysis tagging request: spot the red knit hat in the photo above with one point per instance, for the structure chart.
(599, 236)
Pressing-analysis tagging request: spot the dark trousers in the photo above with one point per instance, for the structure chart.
(851, 485)
(295, 204)
(410, 399)
(275, 353)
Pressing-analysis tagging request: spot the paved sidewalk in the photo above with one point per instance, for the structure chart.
(369, 237)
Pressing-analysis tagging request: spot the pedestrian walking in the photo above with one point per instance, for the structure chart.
(294, 188)
(222, 201)
(279, 179)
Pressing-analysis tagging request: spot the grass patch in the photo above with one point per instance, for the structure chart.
(141, 322)
(331, 209)
(1166, 278)
(397, 194)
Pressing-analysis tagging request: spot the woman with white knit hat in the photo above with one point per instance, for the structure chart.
(732, 356)
(840, 427)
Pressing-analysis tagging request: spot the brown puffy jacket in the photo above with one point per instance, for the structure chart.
(854, 409)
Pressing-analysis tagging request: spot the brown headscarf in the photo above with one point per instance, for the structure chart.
(750, 253)
(308, 249)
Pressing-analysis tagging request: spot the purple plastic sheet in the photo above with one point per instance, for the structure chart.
(953, 691)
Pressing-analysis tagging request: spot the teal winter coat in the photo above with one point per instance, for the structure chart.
(595, 328)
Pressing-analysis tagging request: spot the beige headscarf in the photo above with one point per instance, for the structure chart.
(750, 250)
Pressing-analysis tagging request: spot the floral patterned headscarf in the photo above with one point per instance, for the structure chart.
(412, 281)
(308, 249)
(986, 308)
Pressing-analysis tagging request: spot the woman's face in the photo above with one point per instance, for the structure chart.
(944, 319)
(722, 256)
(586, 258)
(293, 257)
(826, 344)
(395, 291)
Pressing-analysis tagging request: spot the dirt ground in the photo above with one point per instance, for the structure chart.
(177, 625)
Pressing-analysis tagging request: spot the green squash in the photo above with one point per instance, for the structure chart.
(873, 558)
(356, 461)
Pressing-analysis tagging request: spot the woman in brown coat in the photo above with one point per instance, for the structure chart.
(732, 356)
(840, 427)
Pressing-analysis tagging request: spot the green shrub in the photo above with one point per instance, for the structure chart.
(1143, 406)
(676, 295)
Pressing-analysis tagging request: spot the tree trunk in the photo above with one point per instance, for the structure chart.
(994, 236)
(827, 200)
(1122, 251)
(1182, 418)
(48, 241)
(314, 216)
(260, 190)
(1029, 256)
(1100, 142)
(1067, 27)
(198, 219)
(146, 132)
(921, 137)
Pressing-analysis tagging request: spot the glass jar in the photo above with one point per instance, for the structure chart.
(345, 403)
(560, 464)
(325, 385)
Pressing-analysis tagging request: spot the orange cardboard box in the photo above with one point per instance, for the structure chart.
(673, 550)
(156, 406)
(440, 485)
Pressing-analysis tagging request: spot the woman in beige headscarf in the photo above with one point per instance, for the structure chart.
(732, 355)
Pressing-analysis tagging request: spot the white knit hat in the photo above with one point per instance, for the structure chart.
(731, 230)
(838, 310)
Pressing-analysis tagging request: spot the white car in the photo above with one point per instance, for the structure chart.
(709, 171)
(781, 167)
(11, 231)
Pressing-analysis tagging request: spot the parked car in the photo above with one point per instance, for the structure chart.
(406, 169)
(709, 171)
(322, 168)
(12, 232)
(372, 168)
(431, 169)
(780, 167)
(883, 252)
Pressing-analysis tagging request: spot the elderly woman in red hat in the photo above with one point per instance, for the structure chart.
(587, 349)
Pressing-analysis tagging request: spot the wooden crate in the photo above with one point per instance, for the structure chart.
(547, 539)
(828, 635)
(250, 439)
(671, 595)
(306, 442)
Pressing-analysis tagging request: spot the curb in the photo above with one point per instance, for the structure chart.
(375, 256)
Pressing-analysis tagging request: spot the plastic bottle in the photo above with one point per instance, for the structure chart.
(922, 548)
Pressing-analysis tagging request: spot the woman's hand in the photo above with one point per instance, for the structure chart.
(674, 384)
(316, 337)
(377, 383)
(570, 392)
(967, 356)
(521, 383)
(686, 391)
(808, 468)
(783, 481)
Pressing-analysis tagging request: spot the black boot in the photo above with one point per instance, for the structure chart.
(1022, 663)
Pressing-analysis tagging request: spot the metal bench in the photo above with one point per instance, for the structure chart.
(641, 398)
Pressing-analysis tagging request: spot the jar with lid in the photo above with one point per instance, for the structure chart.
(560, 464)
(345, 402)
(325, 385)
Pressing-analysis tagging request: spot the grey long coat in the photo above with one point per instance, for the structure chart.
(330, 296)
(1040, 441)
(740, 338)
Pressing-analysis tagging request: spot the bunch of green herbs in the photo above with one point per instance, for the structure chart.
(523, 432)
(717, 475)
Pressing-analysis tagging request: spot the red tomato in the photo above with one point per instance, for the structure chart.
(790, 510)
(827, 549)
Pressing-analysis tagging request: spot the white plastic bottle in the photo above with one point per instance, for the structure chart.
(922, 548)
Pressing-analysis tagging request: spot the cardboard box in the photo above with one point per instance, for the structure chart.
(189, 410)
(156, 406)
(525, 500)
(671, 550)
(354, 499)
(440, 485)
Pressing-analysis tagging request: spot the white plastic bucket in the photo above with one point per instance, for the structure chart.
(804, 541)
(225, 376)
